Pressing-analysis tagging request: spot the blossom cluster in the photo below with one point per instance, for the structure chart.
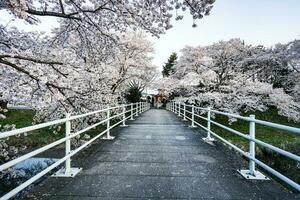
(234, 77)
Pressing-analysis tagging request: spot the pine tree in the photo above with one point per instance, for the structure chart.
(168, 68)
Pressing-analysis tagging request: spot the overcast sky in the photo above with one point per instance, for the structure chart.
(264, 22)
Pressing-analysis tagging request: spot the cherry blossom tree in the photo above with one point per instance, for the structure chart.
(235, 77)
(88, 40)
(87, 58)
(153, 16)
(133, 61)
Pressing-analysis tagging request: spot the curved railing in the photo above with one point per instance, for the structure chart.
(130, 110)
(182, 109)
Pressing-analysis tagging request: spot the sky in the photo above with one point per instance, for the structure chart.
(265, 22)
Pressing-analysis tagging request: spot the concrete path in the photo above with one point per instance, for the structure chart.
(158, 157)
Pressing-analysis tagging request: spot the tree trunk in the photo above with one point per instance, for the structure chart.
(3, 105)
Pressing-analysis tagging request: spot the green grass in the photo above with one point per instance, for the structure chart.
(23, 118)
(276, 137)
(36, 138)
(279, 138)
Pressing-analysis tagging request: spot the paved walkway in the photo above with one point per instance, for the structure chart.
(158, 157)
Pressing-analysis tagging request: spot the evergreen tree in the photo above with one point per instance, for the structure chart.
(134, 92)
(168, 68)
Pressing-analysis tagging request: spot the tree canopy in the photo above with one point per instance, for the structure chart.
(97, 48)
(235, 77)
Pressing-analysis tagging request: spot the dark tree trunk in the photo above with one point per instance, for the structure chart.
(3, 105)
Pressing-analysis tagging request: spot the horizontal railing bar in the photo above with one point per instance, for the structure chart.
(261, 122)
(43, 125)
(263, 165)
(56, 164)
(188, 118)
(127, 111)
(116, 124)
(87, 114)
(222, 139)
(276, 149)
(201, 117)
(114, 116)
(48, 169)
(276, 173)
(188, 112)
(31, 128)
(42, 149)
(260, 163)
(278, 126)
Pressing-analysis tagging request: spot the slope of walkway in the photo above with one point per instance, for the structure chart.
(157, 157)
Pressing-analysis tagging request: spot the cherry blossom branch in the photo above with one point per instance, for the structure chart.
(31, 59)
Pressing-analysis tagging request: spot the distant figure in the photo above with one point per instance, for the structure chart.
(158, 103)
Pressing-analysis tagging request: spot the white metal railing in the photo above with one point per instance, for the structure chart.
(181, 109)
(134, 110)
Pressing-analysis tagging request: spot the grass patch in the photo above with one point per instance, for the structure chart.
(24, 118)
(40, 137)
(276, 137)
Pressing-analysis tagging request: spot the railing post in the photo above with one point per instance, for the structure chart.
(251, 173)
(68, 171)
(193, 117)
(131, 111)
(184, 112)
(252, 146)
(173, 107)
(136, 109)
(179, 108)
(208, 137)
(140, 107)
(68, 144)
(108, 137)
(124, 116)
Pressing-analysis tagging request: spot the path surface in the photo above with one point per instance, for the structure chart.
(158, 157)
